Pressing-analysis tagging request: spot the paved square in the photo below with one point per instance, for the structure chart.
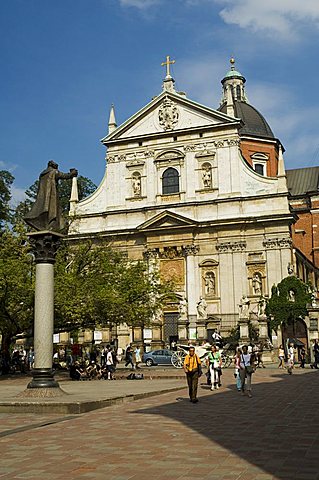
(273, 436)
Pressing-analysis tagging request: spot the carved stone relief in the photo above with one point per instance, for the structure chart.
(284, 242)
(168, 114)
(229, 247)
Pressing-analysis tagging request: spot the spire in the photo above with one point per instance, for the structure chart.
(168, 83)
(112, 121)
(281, 163)
(235, 82)
(74, 198)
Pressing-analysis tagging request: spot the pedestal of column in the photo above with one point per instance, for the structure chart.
(263, 327)
(243, 330)
(44, 247)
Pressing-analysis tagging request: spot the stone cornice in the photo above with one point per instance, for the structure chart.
(282, 242)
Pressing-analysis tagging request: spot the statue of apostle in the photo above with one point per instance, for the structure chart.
(45, 213)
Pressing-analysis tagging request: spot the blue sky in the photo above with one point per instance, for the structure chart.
(64, 62)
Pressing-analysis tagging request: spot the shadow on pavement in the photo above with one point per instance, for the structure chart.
(277, 430)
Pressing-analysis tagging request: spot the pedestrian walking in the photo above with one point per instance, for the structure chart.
(291, 359)
(215, 366)
(237, 369)
(109, 364)
(302, 357)
(281, 357)
(138, 359)
(193, 370)
(316, 354)
(259, 355)
(246, 366)
(129, 357)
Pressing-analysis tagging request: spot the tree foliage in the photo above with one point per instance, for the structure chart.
(97, 285)
(16, 286)
(288, 301)
(6, 180)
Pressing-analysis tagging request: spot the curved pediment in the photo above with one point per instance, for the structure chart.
(209, 263)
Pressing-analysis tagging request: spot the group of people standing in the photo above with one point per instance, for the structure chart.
(244, 368)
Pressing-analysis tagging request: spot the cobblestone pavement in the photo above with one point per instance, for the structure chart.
(226, 436)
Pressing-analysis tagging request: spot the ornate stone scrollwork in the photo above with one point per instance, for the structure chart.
(284, 242)
(111, 158)
(149, 153)
(151, 253)
(190, 250)
(44, 246)
(229, 247)
(233, 142)
(168, 114)
(189, 148)
(219, 143)
(122, 157)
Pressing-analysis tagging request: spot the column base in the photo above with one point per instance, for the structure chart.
(43, 378)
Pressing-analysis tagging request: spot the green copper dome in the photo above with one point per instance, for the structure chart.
(233, 73)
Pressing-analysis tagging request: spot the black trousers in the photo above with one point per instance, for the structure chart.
(192, 381)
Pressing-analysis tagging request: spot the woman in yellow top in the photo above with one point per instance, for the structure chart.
(192, 368)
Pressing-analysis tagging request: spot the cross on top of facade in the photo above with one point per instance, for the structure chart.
(168, 63)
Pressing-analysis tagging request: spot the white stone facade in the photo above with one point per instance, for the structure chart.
(224, 230)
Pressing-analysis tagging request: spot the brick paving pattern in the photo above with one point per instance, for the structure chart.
(273, 436)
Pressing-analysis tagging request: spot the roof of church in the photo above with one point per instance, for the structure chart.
(303, 180)
(254, 122)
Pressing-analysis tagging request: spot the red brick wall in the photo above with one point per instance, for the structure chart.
(249, 147)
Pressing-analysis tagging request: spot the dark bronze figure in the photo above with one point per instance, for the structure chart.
(45, 213)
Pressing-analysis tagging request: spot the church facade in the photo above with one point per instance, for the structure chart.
(201, 194)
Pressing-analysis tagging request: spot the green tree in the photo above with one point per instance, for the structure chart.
(288, 301)
(97, 285)
(16, 287)
(6, 180)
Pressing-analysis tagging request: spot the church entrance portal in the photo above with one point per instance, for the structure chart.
(170, 327)
(296, 332)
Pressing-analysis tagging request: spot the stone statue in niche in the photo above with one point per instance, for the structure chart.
(209, 283)
(45, 213)
(202, 308)
(207, 176)
(183, 309)
(244, 307)
(136, 185)
(257, 284)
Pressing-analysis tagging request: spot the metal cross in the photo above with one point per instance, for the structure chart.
(167, 63)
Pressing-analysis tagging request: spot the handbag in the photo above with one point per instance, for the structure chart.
(248, 368)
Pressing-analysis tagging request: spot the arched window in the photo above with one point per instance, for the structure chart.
(170, 181)
(238, 92)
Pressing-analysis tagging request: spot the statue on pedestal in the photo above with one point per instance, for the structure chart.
(262, 307)
(244, 307)
(183, 309)
(45, 213)
(202, 308)
(257, 284)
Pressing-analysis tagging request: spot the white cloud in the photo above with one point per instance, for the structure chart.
(17, 196)
(284, 17)
(140, 4)
(198, 78)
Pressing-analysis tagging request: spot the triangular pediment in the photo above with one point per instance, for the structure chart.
(166, 220)
(167, 113)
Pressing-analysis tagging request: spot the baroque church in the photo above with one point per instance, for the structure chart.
(202, 194)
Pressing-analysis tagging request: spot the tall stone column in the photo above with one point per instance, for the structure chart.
(44, 247)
